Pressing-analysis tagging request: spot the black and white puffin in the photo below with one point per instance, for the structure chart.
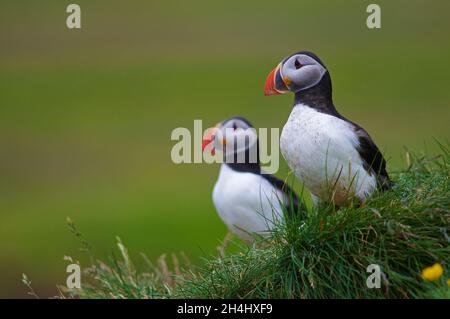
(334, 157)
(247, 200)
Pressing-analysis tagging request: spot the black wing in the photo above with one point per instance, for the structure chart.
(374, 162)
(373, 159)
(293, 201)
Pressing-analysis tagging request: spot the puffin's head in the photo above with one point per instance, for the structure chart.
(296, 73)
(235, 136)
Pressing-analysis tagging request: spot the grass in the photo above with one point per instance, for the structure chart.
(324, 255)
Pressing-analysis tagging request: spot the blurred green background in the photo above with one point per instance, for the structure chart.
(86, 115)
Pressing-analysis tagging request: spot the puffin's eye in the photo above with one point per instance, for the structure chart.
(297, 64)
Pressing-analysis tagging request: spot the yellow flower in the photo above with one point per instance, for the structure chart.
(448, 282)
(433, 273)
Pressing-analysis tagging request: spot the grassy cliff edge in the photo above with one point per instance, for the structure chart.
(324, 255)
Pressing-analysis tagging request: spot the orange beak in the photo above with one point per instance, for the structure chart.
(275, 83)
(208, 138)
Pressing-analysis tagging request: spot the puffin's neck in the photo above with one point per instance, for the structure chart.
(254, 168)
(247, 166)
(318, 97)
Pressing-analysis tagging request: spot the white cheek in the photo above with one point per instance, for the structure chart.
(310, 75)
(305, 77)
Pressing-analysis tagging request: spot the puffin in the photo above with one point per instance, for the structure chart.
(335, 158)
(248, 200)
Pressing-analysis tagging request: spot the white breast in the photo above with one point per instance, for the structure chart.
(321, 151)
(246, 202)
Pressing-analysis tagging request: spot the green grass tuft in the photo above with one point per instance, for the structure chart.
(324, 255)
